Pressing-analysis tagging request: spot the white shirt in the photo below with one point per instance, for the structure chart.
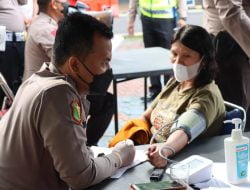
(27, 9)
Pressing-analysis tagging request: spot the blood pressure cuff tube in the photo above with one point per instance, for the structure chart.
(192, 122)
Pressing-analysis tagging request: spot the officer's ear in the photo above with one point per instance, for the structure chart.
(53, 4)
(74, 64)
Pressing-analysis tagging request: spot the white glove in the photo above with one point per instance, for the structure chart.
(125, 150)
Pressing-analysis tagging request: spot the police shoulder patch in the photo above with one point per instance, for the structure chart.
(53, 32)
(76, 111)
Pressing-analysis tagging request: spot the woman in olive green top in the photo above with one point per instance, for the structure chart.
(191, 104)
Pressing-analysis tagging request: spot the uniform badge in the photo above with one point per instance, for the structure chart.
(53, 32)
(76, 111)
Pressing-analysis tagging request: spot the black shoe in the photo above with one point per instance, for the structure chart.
(150, 97)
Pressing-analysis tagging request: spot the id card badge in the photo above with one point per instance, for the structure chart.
(2, 38)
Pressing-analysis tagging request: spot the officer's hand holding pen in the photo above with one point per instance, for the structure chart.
(126, 152)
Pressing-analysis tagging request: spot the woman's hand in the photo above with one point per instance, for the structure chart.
(131, 29)
(154, 158)
(175, 142)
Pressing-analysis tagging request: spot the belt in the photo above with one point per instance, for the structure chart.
(15, 36)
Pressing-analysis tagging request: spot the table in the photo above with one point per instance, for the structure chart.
(212, 148)
(138, 63)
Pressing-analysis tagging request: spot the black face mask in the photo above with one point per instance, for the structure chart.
(100, 83)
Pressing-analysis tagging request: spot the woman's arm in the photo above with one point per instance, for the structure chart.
(177, 141)
(146, 115)
(189, 126)
(182, 9)
(132, 11)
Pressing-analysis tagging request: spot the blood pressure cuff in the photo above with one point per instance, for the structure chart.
(192, 122)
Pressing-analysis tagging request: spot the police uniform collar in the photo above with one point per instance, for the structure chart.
(49, 68)
(44, 66)
(52, 68)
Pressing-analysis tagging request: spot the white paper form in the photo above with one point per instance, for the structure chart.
(140, 157)
(219, 180)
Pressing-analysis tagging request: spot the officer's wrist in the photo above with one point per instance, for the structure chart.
(117, 155)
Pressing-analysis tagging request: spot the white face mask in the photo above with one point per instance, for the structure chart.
(183, 73)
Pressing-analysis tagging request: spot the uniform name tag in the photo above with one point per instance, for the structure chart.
(2, 38)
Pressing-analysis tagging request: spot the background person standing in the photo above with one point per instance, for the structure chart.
(158, 19)
(229, 22)
(12, 58)
(41, 35)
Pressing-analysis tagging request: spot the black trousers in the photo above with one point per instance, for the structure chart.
(157, 33)
(101, 112)
(233, 77)
(12, 66)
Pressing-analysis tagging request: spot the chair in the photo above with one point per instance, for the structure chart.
(234, 112)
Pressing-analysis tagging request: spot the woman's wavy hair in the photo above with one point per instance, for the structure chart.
(199, 40)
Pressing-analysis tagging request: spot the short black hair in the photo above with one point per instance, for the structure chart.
(74, 36)
(43, 5)
(199, 40)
